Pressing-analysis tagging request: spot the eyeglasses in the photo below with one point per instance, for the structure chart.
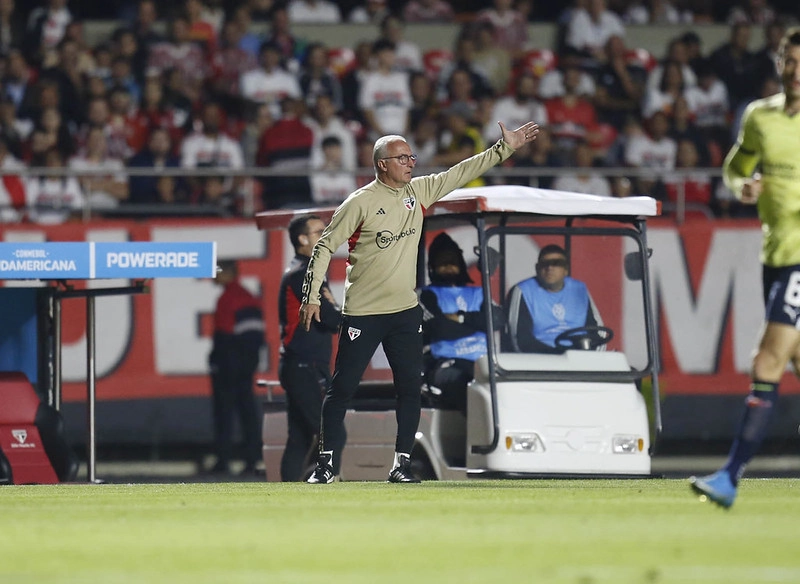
(403, 159)
(544, 264)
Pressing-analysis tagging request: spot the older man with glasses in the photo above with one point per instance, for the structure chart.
(382, 223)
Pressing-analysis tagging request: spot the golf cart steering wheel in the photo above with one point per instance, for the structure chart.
(586, 338)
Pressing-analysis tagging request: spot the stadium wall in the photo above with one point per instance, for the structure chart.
(152, 349)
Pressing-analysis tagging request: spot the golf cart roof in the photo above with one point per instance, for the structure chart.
(503, 199)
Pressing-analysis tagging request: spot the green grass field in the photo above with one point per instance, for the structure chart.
(546, 531)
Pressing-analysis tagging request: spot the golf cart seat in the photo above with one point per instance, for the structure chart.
(33, 448)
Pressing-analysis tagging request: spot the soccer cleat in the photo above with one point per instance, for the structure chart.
(402, 473)
(323, 474)
(718, 487)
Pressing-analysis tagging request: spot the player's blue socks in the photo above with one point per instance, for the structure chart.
(755, 422)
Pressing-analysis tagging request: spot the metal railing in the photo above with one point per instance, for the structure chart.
(677, 209)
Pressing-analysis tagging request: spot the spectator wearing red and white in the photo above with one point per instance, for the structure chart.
(585, 178)
(571, 117)
(201, 30)
(324, 123)
(407, 55)
(510, 28)
(552, 82)
(661, 98)
(385, 98)
(230, 61)
(52, 200)
(269, 83)
(286, 145)
(656, 12)
(313, 12)
(123, 121)
(521, 107)
(317, 78)
(369, 12)
(331, 182)
(589, 28)
(209, 147)
(653, 149)
(12, 186)
(752, 12)
(101, 191)
(708, 100)
(180, 53)
(46, 27)
(677, 52)
(154, 111)
(428, 11)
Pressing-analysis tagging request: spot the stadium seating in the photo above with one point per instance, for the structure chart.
(32, 440)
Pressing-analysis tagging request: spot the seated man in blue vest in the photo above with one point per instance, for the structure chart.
(453, 325)
(541, 308)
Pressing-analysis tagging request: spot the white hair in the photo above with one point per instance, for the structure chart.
(381, 144)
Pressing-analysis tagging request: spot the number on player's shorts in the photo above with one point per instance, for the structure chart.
(792, 295)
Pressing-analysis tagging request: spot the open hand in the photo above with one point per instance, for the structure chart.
(521, 136)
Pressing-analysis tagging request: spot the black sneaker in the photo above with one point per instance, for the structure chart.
(323, 474)
(403, 474)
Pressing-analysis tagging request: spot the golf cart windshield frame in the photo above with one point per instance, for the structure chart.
(491, 224)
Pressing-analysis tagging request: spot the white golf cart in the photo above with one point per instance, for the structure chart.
(578, 413)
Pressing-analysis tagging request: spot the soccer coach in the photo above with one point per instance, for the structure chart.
(382, 223)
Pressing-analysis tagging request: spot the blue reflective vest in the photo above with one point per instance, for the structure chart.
(452, 299)
(555, 312)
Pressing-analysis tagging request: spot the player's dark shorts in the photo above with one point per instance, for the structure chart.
(782, 294)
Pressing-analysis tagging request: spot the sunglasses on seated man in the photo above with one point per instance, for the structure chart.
(554, 263)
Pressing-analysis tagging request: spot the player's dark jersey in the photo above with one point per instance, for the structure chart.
(314, 345)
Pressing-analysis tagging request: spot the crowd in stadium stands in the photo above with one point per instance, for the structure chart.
(190, 84)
